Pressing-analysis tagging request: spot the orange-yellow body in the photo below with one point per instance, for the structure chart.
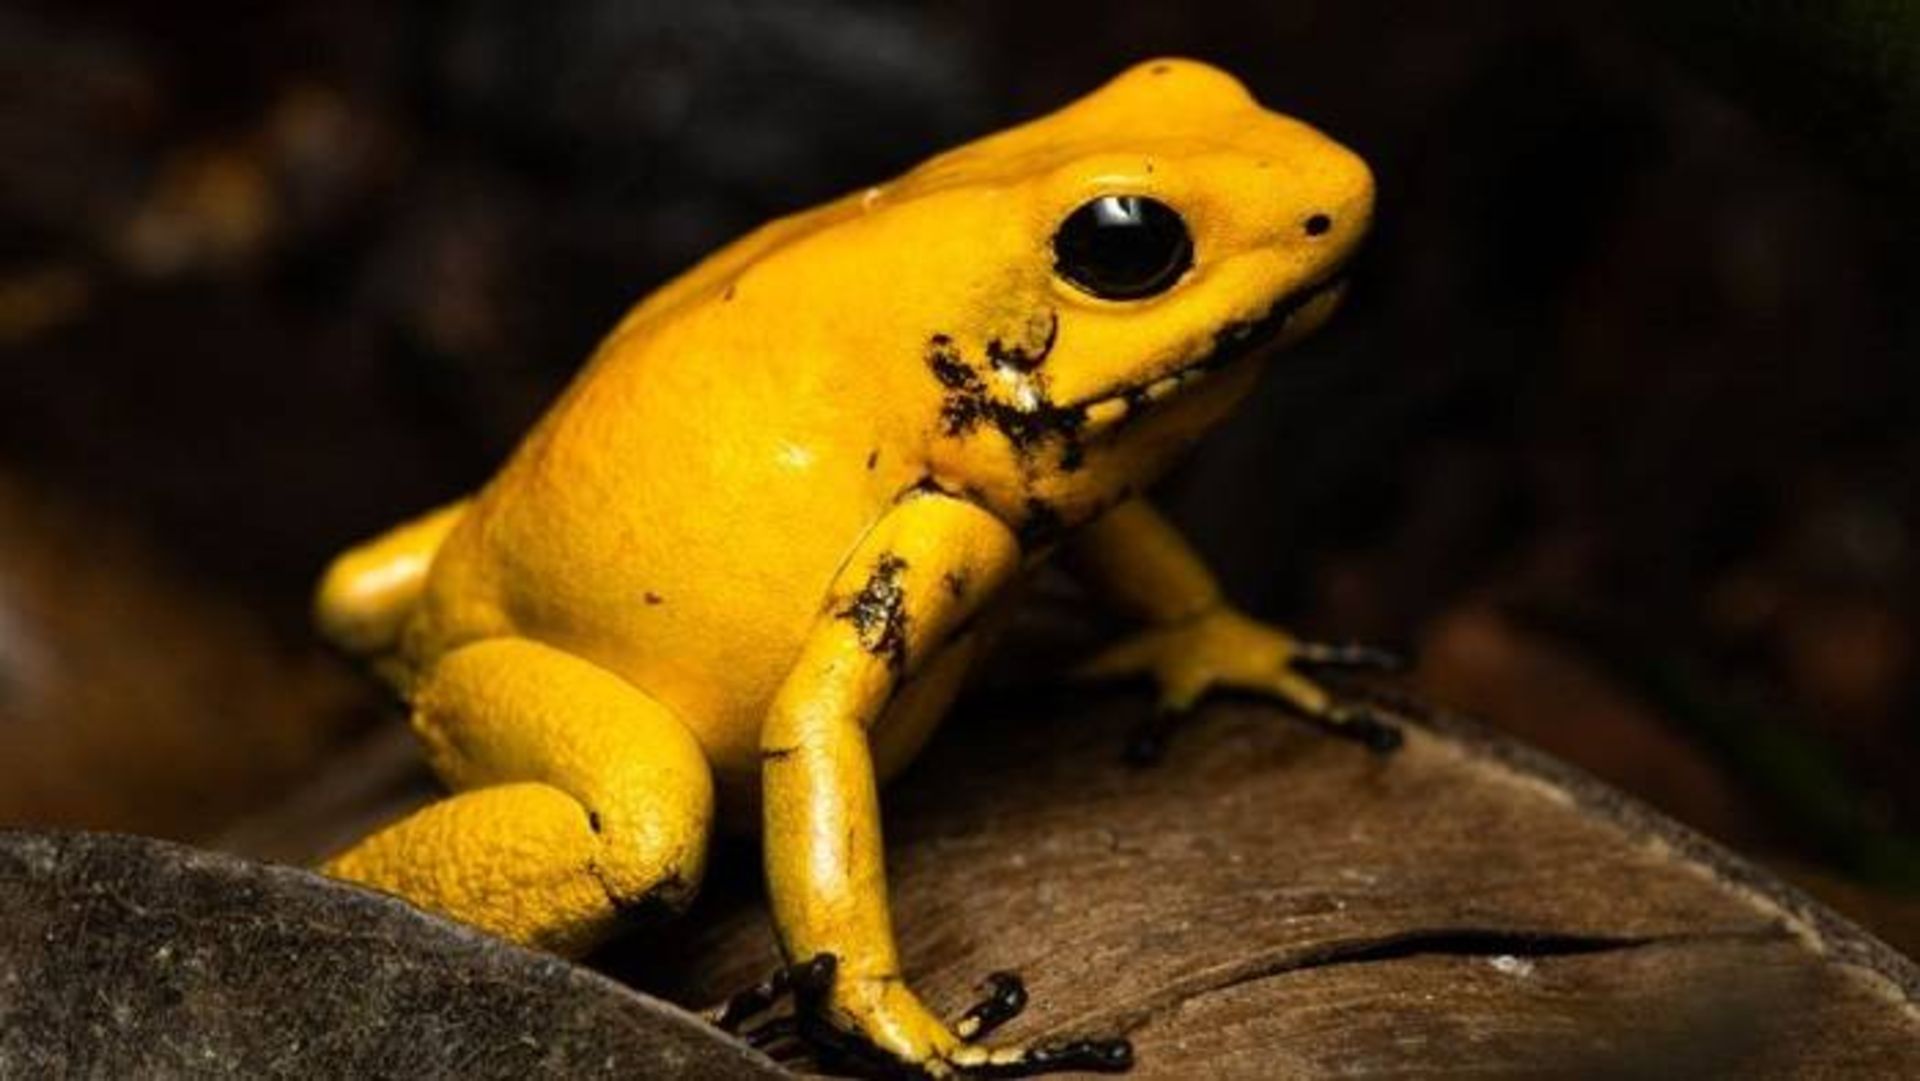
(743, 564)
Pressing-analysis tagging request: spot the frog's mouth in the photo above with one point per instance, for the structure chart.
(1232, 342)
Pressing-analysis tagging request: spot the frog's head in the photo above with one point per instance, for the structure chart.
(1092, 290)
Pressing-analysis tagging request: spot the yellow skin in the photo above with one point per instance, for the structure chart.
(744, 562)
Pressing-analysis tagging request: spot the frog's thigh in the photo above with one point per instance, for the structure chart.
(578, 796)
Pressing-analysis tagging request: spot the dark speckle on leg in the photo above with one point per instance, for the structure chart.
(879, 612)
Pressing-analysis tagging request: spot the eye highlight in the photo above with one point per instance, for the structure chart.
(1122, 247)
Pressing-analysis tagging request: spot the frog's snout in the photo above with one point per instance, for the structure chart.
(1330, 236)
(1338, 210)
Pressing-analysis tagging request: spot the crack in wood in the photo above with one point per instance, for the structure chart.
(1477, 942)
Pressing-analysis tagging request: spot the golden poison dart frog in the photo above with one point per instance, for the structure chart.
(742, 565)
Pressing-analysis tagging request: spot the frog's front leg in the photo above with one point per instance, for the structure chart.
(910, 585)
(1194, 640)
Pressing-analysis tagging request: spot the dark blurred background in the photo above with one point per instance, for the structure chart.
(1617, 426)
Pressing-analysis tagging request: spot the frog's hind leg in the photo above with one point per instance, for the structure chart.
(578, 797)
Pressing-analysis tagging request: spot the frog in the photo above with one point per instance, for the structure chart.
(735, 575)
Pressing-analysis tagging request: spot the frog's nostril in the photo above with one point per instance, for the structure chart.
(1318, 224)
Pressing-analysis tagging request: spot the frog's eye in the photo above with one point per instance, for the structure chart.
(1122, 247)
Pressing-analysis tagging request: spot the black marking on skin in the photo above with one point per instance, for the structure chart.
(654, 598)
(1004, 997)
(1026, 356)
(840, 1050)
(879, 612)
(1027, 428)
(593, 821)
(950, 368)
(1024, 428)
(1159, 69)
(873, 459)
(956, 583)
(969, 404)
(777, 754)
(1233, 340)
(728, 294)
(1242, 336)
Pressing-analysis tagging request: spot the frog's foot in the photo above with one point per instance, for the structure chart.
(1224, 649)
(1003, 996)
(877, 1028)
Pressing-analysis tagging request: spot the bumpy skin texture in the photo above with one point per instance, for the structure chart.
(745, 560)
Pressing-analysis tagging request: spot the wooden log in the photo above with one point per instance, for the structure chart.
(1270, 901)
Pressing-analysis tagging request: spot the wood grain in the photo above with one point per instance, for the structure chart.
(1270, 901)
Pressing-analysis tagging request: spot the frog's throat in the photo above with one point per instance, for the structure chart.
(1231, 342)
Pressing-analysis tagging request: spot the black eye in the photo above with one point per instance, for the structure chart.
(1122, 247)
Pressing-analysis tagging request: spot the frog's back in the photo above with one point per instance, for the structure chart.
(676, 518)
